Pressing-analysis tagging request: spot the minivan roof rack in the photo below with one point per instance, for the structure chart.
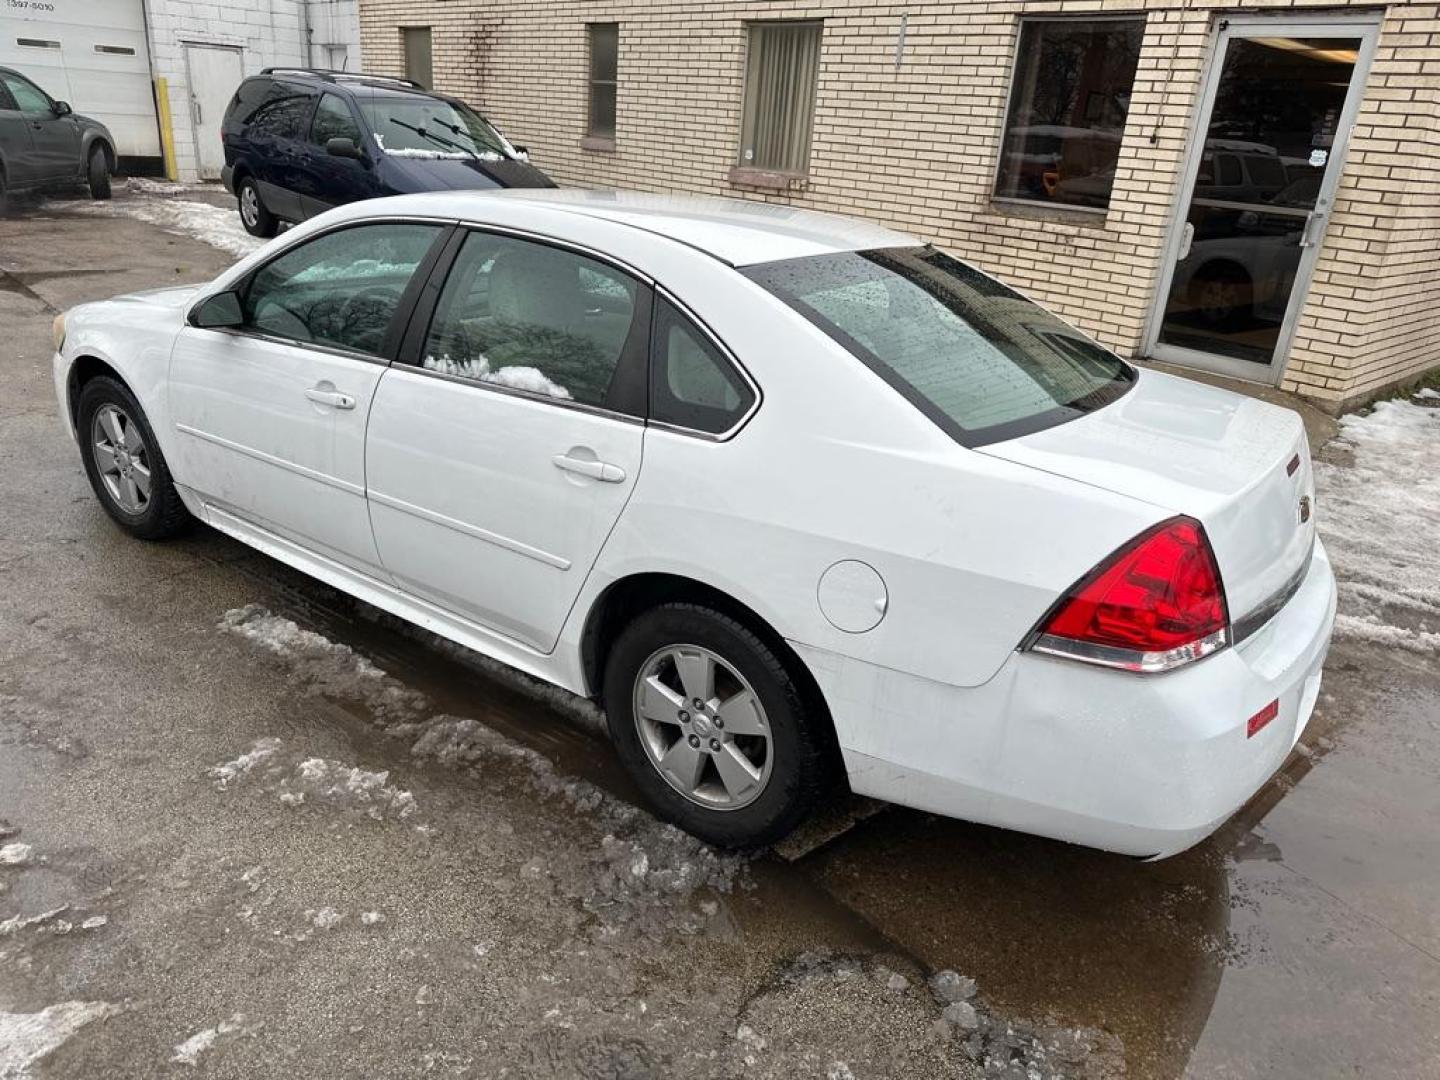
(331, 75)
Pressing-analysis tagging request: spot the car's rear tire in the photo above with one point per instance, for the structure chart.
(663, 707)
(257, 220)
(97, 173)
(124, 462)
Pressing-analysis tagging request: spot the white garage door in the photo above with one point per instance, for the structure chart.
(92, 54)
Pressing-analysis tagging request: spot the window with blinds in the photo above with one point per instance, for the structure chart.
(781, 65)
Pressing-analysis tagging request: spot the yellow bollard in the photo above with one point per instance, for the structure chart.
(167, 128)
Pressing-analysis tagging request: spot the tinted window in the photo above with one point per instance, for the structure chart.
(339, 289)
(533, 318)
(27, 96)
(692, 385)
(1068, 104)
(976, 357)
(283, 113)
(247, 99)
(333, 121)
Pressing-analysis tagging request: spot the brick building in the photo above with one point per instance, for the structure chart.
(1250, 190)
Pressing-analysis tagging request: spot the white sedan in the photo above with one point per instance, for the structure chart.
(799, 499)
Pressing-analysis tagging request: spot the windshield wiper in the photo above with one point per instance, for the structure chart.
(435, 138)
(458, 130)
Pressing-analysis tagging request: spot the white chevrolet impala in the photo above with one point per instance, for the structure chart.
(799, 499)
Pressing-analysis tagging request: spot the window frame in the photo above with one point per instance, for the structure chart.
(632, 367)
(751, 25)
(1007, 203)
(404, 309)
(591, 82)
(727, 356)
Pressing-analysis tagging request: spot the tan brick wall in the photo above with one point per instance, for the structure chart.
(916, 148)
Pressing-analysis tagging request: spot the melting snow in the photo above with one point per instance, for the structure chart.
(218, 226)
(1379, 519)
(25, 1038)
(189, 1051)
(15, 854)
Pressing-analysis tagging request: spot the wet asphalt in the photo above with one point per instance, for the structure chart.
(517, 915)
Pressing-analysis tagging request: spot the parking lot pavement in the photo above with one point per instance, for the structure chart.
(249, 826)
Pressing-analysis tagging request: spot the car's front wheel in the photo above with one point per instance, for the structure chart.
(713, 727)
(124, 463)
(257, 220)
(97, 174)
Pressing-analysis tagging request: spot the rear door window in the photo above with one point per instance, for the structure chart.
(540, 319)
(979, 359)
(283, 113)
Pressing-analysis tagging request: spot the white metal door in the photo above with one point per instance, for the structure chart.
(214, 72)
(1276, 109)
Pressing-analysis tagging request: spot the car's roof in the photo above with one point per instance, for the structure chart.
(735, 231)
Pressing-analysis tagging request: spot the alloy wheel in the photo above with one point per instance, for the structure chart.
(249, 205)
(122, 458)
(703, 727)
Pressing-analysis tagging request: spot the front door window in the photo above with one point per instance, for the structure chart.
(1259, 198)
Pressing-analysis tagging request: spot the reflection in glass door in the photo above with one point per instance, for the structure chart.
(1259, 191)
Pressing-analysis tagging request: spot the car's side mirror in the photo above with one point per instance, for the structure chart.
(342, 147)
(218, 311)
(62, 108)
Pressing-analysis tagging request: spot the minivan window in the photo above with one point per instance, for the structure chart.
(414, 125)
(980, 360)
(283, 113)
(333, 120)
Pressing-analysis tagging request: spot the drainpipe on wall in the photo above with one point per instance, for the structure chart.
(306, 34)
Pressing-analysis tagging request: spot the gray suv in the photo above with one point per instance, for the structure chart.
(44, 144)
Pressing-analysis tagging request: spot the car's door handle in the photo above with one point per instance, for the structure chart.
(596, 470)
(329, 396)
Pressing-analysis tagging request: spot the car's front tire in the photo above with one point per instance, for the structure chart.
(713, 727)
(257, 220)
(124, 463)
(97, 173)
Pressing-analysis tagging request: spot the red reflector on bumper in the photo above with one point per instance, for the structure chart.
(1261, 718)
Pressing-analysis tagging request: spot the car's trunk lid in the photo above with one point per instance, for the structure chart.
(1238, 465)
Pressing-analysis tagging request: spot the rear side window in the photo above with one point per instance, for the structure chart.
(247, 99)
(333, 120)
(283, 113)
(341, 289)
(536, 318)
(977, 358)
(692, 385)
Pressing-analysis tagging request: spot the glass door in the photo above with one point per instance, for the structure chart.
(1277, 108)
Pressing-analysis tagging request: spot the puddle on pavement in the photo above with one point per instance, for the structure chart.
(1053, 933)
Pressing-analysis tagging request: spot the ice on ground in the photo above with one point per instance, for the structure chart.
(189, 1051)
(15, 854)
(318, 780)
(327, 667)
(16, 923)
(227, 772)
(218, 226)
(324, 918)
(25, 1038)
(371, 918)
(94, 922)
(1379, 518)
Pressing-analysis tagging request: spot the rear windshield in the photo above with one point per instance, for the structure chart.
(413, 125)
(979, 359)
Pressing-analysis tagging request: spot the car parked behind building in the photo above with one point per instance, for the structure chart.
(298, 142)
(43, 143)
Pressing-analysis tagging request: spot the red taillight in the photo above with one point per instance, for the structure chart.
(1153, 605)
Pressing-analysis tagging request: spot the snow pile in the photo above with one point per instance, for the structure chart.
(1380, 519)
(16, 923)
(189, 1051)
(15, 854)
(218, 226)
(325, 666)
(318, 780)
(25, 1038)
(517, 377)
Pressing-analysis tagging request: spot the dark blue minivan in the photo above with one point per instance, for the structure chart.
(299, 141)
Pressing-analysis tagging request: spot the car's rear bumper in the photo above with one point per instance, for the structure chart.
(1142, 764)
(227, 177)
